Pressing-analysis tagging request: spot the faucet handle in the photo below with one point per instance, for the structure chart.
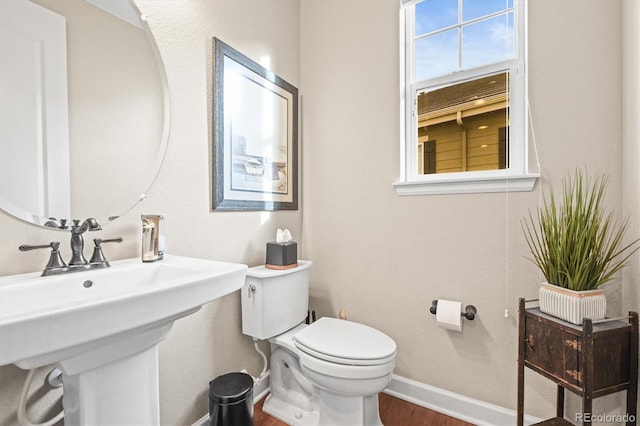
(55, 260)
(53, 244)
(98, 241)
(98, 256)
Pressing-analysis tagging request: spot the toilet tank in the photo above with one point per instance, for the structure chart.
(274, 301)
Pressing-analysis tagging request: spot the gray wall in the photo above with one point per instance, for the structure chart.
(384, 258)
(210, 342)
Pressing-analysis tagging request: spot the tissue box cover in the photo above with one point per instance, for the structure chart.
(282, 255)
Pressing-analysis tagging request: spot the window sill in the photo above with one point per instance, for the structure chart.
(462, 184)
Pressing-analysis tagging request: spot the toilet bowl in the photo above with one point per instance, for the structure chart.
(329, 373)
(326, 373)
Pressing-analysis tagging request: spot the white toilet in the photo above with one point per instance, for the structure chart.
(327, 373)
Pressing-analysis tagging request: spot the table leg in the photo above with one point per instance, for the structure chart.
(560, 402)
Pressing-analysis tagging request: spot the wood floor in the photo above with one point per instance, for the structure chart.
(393, 412)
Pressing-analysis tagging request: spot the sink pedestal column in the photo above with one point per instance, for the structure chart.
(122, 392)
(103, 396)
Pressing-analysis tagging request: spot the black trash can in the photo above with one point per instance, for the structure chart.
(231, 400)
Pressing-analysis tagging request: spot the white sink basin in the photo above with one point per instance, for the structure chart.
(84, 321)
(41, 316)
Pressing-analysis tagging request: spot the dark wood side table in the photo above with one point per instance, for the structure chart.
(591, 360)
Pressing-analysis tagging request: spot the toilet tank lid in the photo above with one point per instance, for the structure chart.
(345, 340)
(264, 272)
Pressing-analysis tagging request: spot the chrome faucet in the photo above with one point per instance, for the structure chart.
(77, 241)
(78, 262)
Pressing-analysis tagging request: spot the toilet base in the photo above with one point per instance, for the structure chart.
(348, 411)
(355, 411)
(289, 414)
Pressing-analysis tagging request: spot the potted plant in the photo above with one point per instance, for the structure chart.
(578, 246)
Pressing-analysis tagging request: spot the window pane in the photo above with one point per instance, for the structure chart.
(436, 55)
(472, 9)
(488, 41)
(464, 127)
(433, 15)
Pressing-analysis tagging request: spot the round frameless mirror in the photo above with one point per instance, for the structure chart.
(84, 109)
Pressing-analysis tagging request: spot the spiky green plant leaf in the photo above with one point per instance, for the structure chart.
(576, 243)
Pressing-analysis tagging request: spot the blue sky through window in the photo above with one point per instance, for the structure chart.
(472, 9)
(483, 42)
(437, 55)
(433, 15)
(488, 41)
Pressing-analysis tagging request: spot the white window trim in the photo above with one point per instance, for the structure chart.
(516, 177)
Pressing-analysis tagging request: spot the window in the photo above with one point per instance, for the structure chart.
(464, 97)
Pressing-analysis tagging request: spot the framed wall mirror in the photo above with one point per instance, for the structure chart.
(84, 109)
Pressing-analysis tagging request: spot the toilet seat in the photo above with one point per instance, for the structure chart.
(345, 342)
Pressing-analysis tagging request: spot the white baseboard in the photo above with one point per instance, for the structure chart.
(204, 421)
(443, 401)
(452, 404)
(260, 390)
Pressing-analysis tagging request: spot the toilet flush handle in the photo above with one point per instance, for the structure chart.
(252, 289)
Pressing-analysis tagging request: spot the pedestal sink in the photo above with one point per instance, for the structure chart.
(101, 329)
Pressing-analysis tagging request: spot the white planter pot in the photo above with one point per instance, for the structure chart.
(572, 306)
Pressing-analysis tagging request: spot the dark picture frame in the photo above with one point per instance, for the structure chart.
(255, 135)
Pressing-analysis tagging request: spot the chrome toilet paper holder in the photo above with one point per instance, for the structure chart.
(469, 310)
